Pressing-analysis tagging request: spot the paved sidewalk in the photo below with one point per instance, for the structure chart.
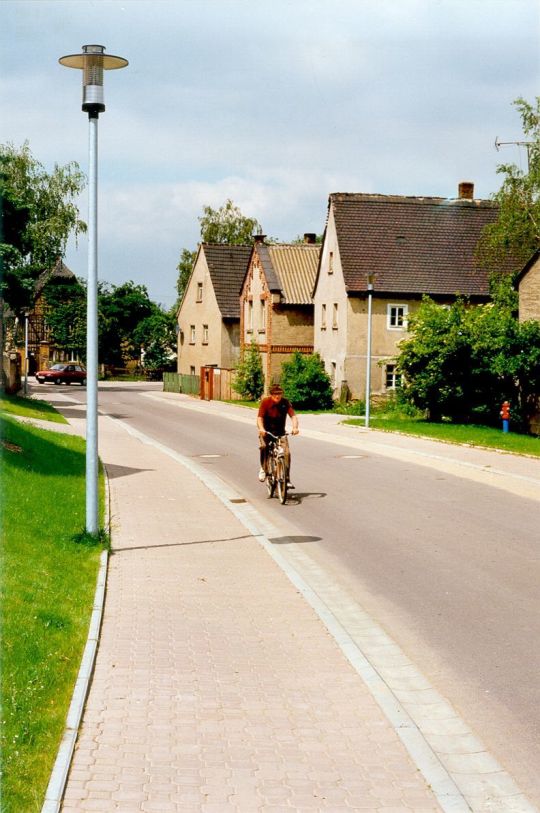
(216, 687)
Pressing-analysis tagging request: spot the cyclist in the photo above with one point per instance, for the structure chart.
(272, 417)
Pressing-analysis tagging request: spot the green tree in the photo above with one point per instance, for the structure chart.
(515, 235)
(224, 225)
(157, 335)
(306, 383)
(66, 315)
(249, 378)
(227, 225)
(462, 362)
(121, 309)
(37, 215)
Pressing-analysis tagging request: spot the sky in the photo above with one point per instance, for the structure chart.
(274, 104)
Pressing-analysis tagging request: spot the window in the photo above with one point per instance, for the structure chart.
(333, 373)
(331, 262)
(199, 292)
(323, 317)
(205, 334)
(335, 317)
(263, 316)
(192, 370)
(393, 378)
(396, 317)
(250, 316)
(192, 334)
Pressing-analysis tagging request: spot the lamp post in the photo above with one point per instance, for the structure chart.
(26, 352)
(370, 278)
(93, 61)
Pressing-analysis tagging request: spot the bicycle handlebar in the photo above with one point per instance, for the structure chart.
(276, 437)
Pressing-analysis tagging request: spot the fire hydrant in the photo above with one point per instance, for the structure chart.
(505, 415)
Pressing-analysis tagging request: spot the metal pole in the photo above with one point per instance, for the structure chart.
(368, 356)
(26, 354)
(92, 524)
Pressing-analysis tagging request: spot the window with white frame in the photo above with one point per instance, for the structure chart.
(396, 317)
(262, 314)
(192, 334)
(205, 334)
(335, 316)
(249, 317)
(199, 291)
(393, 378)
(323, 317)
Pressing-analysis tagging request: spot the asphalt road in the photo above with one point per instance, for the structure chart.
(450, 568)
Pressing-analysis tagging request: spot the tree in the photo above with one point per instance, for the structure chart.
(249, 379)
(227, 225)
(515, 236)
(462, 362)
(224, 225)
(306, 383)
(38, 214)
(66, 315)
(121, 309)
(157, 335)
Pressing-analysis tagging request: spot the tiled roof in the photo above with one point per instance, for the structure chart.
(59, 271)
(291, 270)
(412, 245)
(227, 266)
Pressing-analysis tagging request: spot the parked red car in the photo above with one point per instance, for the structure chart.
(63, 374)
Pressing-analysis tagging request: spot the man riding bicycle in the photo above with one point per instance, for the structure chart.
(272, 417)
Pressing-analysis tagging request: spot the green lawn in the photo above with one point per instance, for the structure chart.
(454, 433)
(29, 408)
(49, 581)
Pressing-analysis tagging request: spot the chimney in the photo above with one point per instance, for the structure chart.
(259, 238)
(466, 190)
(310, 237)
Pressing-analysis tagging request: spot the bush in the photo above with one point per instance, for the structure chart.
(249, 379)
(306, 383)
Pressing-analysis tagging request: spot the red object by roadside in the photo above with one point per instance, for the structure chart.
(505, 411)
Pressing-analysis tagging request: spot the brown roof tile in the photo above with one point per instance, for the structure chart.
(413, 245)
(227, 266)
(291, 269)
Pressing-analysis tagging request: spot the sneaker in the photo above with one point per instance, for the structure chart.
(262, 475)
(289, 484)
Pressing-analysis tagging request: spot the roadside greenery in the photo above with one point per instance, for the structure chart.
(29, 408)
(49, 571)
(462, 362)
(306, 383)
(38, 216)
(249, 378)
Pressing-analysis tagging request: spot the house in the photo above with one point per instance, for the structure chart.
(405, 247)
(528, 285)
(276, 308)
(209, 315)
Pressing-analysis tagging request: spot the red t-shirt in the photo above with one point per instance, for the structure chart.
(274, 414)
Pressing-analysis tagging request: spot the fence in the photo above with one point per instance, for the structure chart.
(177, 382)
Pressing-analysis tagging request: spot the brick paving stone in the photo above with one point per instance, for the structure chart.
(214, 676)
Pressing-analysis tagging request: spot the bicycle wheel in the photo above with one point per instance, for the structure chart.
(281, 478)
(271, 477)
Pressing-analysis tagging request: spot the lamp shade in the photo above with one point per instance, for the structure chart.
(93, 61)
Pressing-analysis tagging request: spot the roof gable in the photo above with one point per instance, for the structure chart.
(291, 270)
(413, 245)
(227, 266)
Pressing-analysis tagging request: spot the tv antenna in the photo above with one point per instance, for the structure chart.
(526, 144)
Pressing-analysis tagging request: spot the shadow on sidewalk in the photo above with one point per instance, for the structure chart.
(121, 471)
(116, 551)
(293, 540)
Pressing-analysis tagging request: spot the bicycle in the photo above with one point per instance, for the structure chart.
(276, 476)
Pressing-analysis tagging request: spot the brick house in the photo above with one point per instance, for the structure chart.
(209, 314)
(276, 308)
(407, 247)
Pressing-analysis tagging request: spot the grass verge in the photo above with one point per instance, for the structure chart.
(47, 596)
(29, 408)
(468, 434)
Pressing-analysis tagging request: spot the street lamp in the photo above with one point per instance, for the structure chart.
(370, 278)
(93, 61)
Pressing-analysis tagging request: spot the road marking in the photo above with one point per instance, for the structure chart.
(461, 772)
